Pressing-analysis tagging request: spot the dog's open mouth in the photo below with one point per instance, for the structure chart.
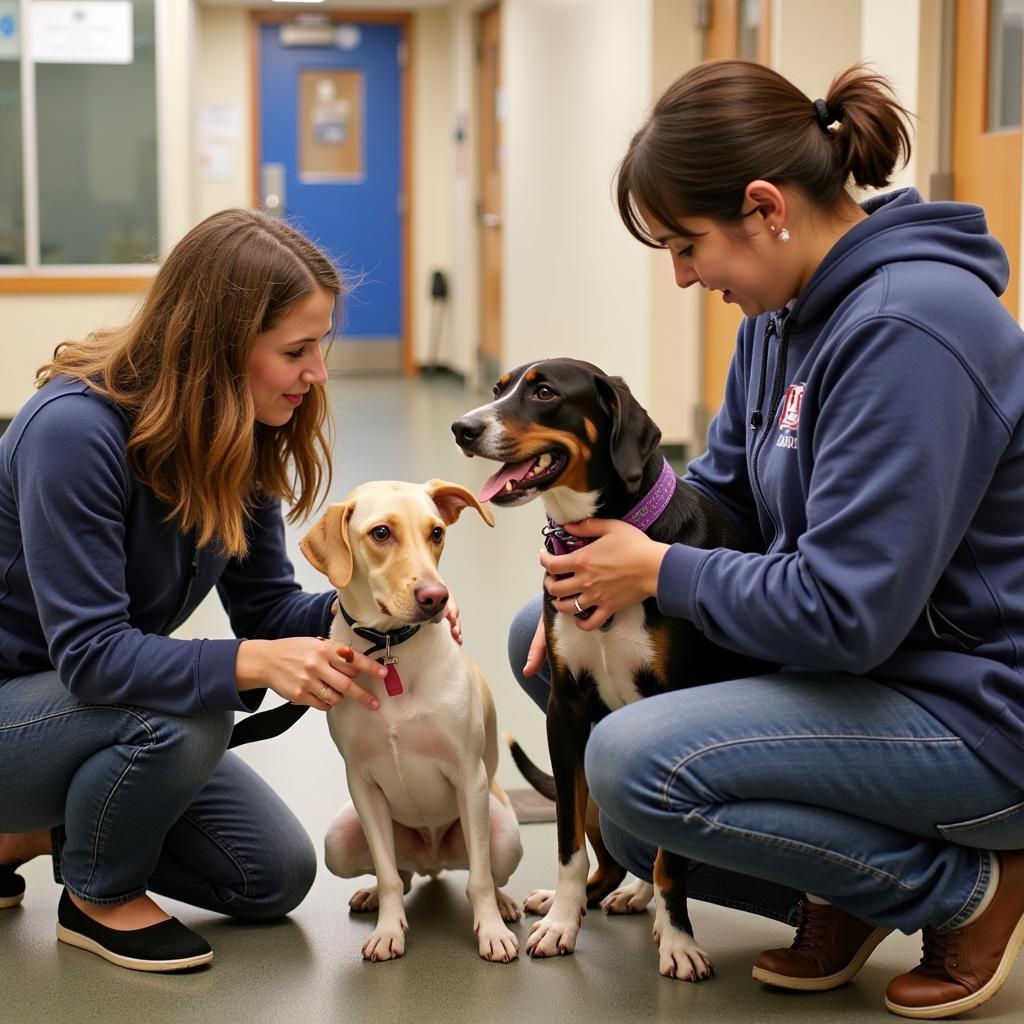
(514, 481)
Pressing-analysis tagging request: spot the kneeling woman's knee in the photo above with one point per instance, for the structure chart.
(196, 743)
(281, 883)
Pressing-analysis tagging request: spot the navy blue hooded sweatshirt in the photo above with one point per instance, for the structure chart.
(872, 439)
(93, 579)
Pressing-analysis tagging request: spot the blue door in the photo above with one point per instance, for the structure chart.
(331, 145)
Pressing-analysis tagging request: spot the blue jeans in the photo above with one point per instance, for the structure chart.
(835, 785)
(142, 800)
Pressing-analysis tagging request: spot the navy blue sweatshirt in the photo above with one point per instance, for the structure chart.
(93, 578)
(872, 440)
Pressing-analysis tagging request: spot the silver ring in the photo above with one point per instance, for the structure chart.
(576, 601)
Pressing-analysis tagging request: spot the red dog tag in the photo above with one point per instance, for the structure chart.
(392, 681)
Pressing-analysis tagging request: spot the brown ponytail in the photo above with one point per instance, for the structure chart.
(725, 123)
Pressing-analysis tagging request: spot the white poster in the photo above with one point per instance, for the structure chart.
(10, 44)
(82, 32)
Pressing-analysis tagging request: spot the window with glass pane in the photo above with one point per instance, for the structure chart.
(12, 207)
(96, 136)
(1005, 64)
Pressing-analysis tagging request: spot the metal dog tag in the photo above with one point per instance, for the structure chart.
(392, 681)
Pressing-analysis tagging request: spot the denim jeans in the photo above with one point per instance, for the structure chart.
(143, 800)
(797, 782)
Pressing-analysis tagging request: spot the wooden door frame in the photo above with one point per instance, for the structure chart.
(974, 148)
(486, 140)
(259, 18)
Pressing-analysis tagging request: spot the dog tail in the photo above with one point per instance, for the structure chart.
(540, 780)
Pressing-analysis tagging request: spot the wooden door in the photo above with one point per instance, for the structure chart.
(987, 121)
(737, 28)
(489, 107)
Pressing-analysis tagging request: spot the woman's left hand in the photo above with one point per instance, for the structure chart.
(451, 613)
(618, 569)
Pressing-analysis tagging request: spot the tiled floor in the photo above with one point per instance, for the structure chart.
(308, 968)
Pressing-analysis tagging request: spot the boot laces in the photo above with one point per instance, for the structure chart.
(812, 921)
(939, 950)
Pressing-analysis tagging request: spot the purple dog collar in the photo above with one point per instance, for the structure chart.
(560, 542)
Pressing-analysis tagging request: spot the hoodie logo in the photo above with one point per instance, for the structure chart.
(789, 419)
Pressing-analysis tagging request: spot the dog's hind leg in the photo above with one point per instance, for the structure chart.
(608, 874)
(633, 898)
(363, 901)
(679, 955)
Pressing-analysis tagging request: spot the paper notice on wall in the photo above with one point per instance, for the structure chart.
(220, 129)
(82, 32)
(216, 160)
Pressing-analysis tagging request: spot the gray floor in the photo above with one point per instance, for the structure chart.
(309, 968)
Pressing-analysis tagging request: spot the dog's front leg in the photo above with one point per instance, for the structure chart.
(388, 939)
(555, 934)
(678, 954)
(496, 942)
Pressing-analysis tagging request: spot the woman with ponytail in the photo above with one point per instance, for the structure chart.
(871, 442)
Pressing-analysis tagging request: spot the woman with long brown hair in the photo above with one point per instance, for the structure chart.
(149, 467)
(871, 443)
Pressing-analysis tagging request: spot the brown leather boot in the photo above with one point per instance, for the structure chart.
(830, 947)
(963, 968)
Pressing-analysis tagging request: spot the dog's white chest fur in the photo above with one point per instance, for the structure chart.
(407, 747)
(611, 657)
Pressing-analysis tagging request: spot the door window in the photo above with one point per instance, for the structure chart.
(1005, 51)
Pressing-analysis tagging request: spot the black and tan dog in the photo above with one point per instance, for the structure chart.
(578, 438)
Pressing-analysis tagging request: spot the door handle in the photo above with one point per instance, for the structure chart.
(272, 185)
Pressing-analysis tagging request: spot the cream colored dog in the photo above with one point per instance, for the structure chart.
(420, 769)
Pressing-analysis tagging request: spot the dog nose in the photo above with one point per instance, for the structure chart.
(431, 597)
(467, 429)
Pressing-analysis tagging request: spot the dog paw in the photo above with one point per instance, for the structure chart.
(553, 936)
(387, 941)
(539, 901)
(507, 907)
(364, 900)
(497, 943)
(629, 899)
(680, 957)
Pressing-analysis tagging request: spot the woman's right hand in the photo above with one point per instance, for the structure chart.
(538, 650)
(306, 670)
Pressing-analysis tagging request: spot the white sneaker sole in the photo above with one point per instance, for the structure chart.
(828, 981)
(133, 964)
(11, 901)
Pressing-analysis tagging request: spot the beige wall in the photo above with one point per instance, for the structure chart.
(674, 370)
(578, 81)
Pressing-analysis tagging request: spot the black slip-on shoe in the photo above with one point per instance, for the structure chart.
(12, 887)
(167, 946)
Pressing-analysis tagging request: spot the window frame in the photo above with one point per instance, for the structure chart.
(34, 277)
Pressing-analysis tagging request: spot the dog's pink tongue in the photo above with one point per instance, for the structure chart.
(494, 484)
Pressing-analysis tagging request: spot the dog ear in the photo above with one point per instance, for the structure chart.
(451, 499)
(327, 547)
(635, 436)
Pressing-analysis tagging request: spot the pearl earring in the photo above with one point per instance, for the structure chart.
(784, 235)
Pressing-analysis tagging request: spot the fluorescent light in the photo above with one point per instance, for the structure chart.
(297, 1)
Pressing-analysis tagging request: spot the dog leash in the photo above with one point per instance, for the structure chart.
(264, 725)
(559, 541)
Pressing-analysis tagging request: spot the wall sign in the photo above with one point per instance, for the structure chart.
(82, 32)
